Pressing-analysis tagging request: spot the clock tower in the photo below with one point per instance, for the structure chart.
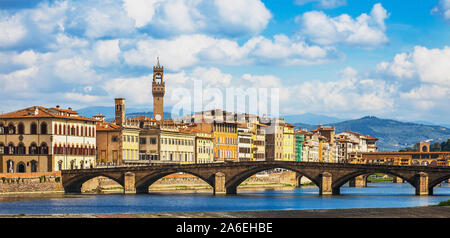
(158, 90)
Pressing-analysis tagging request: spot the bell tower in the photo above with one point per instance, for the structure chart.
(158, 91)
(120, 111)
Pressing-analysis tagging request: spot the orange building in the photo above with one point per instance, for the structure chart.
(225, 138)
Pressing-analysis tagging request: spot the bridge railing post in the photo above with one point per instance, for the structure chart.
(129, 183)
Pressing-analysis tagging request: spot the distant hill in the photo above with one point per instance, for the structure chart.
(312, 119)
(393, 135)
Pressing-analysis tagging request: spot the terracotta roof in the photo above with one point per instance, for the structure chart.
(289, 125)
(65, 110)
(105, 126)
(42, 112)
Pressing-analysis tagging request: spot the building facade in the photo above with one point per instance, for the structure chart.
(39, 139)
(244, 144)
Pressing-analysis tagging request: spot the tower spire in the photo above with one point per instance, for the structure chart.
(157, 64)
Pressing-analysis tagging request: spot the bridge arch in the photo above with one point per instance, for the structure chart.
(143, 184)
(437, 181)
(232, 183)
(75, 184)
(338, 183)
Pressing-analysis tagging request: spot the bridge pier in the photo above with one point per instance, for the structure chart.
(219, 184)
(326, 184)
(358, 182)
(422, 184)
(129, 183)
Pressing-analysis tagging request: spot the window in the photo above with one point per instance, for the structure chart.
(44, 149)
(11, 149)
(11, 129)
(153, 141)
(21, 149)
(115, 139)
(33, 166)
(44, 128)
(33, 149)
(143, 141)
(21, 128)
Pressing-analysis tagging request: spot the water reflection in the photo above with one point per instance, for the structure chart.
(375, 195)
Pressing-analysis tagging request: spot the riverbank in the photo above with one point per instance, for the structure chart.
(405, 212)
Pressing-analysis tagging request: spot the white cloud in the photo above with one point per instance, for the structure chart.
(79, 97)
(423, 64)
(28, 58)
(190, 50)
(323, 3)
(18, 81)
(11, 31)
(106, 52)
(364, 31)
(442, 9)
(218, 17)
(135, 90)
(141, 11)
(75, 70)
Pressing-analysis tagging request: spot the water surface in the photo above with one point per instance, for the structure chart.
(379, 195)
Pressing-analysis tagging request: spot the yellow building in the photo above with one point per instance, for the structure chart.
(204, 147)
(288, 142)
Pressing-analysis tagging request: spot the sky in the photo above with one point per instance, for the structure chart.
(342, 58)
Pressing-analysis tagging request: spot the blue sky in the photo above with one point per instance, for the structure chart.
(344, 58)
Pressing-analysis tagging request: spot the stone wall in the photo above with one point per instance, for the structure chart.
(22, 183)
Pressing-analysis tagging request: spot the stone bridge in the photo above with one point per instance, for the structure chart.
(224, 178)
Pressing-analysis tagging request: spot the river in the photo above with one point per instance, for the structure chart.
(375, 195)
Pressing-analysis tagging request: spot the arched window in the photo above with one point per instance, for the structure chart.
(21, 167)
(44, 128)
(11, 129)
(10, 166)
(11, 149)
(21, 149)
(34, 166)
(33, 149)
(2, 149)
(72, 164)
(2, 129)
(424, 149)
(21, 128)
(33, 128)
(55, 130)
(60, 131)
(64, 131)
(60, 165)
(44, 148)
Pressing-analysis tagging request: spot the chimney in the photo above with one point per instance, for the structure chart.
(57, 106)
